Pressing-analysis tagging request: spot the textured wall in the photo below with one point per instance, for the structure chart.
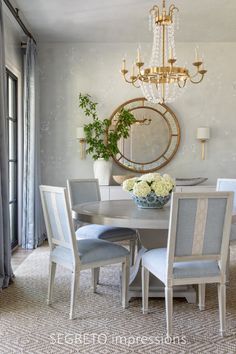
(13, 37)
(69, 68)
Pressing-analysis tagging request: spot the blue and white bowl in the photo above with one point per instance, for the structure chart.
(151, 201)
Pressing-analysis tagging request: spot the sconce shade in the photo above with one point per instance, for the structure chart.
(80, 133)
(203, 133)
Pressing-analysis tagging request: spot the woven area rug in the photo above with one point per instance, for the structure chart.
(28, 325)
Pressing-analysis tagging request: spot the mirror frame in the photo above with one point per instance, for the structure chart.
(166, 159)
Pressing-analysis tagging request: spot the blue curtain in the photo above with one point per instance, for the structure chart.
(32, 226)
(5, 243)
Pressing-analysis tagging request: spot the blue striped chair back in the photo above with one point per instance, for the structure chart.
(57, 217)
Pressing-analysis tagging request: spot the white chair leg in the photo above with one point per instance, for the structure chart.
(52, 272)
(139, 245)
(169, 309)
(145, 289)
(222, 307)
(227, 267)
(95, 277)
(201, 296)
(125, 283)
(74, 287)
(132, 244)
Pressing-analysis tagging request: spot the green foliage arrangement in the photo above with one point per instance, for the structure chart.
(101, 141)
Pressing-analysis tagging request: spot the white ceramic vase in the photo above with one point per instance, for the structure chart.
(102, 171)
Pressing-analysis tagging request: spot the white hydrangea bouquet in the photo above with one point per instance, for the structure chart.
(151, 190)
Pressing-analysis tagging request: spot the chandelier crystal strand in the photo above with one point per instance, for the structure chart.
(171, 38)
(145, 91)
(150, 19)
(155, 47)
(167, 92)
(162, 80)
(176, 20)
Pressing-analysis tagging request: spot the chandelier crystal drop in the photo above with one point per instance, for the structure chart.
(162, 80)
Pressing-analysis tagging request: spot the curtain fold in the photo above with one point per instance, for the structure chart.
(6, 274)
(32, 226)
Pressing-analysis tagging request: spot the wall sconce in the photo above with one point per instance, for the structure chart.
(203, 134)
(80, 135)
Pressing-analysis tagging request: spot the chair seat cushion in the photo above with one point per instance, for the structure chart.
(109, 233)
(156, 262)
(91, 250)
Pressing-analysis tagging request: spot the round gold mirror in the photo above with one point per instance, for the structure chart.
(153, 139)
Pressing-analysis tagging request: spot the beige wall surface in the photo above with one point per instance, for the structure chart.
(66, 69)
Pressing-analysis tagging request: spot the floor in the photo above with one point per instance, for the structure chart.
(29, 326)
(18, 257)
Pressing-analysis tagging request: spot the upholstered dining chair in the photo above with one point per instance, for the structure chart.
(229, 185)
(85, 191)
(76, 255)
(197, 249)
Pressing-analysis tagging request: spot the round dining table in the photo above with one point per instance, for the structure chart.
(122, 213)
(151, 224)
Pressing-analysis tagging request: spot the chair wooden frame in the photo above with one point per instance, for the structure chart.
(221, 258)
(75, 264)
(228, 189)
(218, 189)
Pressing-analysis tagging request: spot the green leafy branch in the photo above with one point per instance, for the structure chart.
(102, 142)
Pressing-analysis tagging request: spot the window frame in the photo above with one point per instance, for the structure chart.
(14, 161)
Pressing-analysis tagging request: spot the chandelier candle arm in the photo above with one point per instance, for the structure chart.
(161, 81)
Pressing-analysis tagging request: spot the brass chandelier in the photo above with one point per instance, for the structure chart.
(162, 80)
